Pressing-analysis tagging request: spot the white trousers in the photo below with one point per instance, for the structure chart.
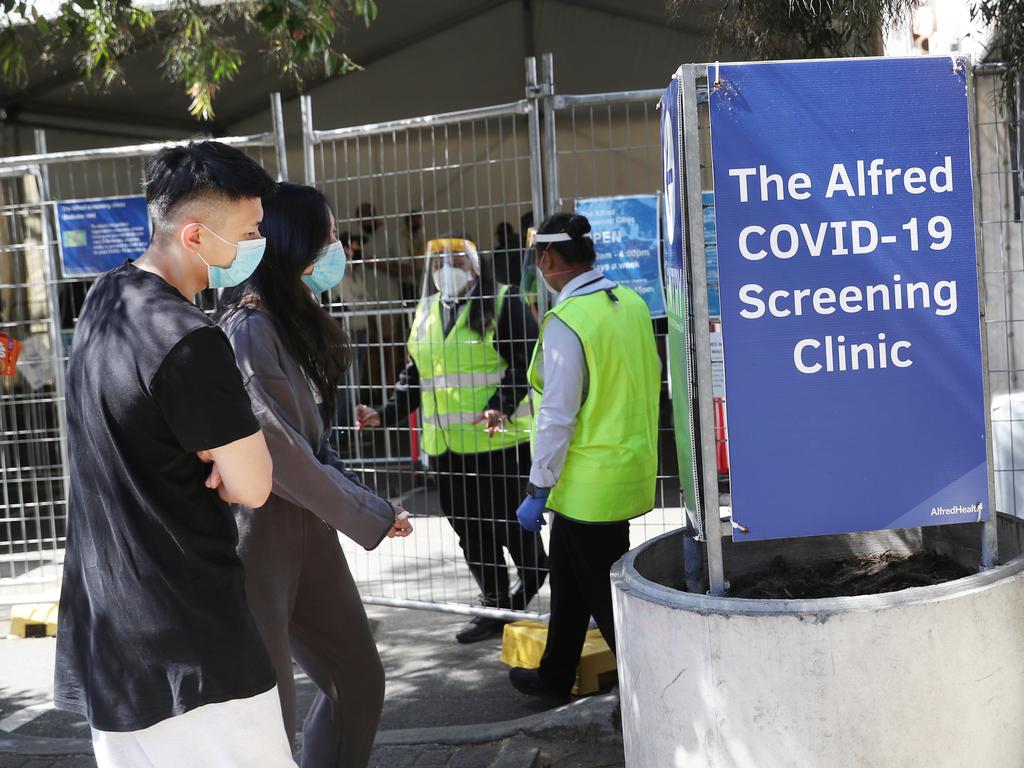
(242, 733)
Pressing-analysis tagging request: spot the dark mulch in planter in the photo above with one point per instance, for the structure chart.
(887, 572)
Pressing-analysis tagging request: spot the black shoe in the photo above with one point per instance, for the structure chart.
(480, 628)
(528, 681)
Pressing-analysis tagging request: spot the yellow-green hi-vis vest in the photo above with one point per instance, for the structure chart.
(611, 466)
(459, 374)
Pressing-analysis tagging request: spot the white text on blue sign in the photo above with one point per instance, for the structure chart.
(855, 237)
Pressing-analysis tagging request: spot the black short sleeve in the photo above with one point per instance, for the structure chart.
(200, 391)
(151, 551)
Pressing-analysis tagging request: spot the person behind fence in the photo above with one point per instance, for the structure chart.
(469, 350)
(382, 265)
(595, 456)
(292, 354)
(508, 254)
(414, 248)
(156, 644)
(351, 295)
(349, 299)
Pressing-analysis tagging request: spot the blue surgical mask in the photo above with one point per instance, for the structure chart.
(248, 254)
(328, 269)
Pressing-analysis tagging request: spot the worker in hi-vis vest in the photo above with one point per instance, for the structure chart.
(595, 454)
(469, 351)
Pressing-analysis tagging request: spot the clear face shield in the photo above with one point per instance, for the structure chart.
(528, 281)
(534, 290)
(453, 264)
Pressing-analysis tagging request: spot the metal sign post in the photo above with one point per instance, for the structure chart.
(989, 527)
(696, 260)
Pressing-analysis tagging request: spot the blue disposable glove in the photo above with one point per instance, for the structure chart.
(531, 511)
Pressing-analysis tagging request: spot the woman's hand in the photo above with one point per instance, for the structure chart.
(496, 421)
(367, 417)
(402, 527)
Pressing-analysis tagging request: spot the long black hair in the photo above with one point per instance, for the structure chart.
(576, 252)
(296, 223)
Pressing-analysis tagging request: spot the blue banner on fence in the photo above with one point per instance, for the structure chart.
(625, 232)
(846, 250)
(96, 235)
(707, 202)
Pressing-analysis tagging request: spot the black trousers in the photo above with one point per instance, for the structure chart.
(581, 558)
(480, 493)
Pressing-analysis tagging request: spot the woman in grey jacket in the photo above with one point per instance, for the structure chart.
(291, 354)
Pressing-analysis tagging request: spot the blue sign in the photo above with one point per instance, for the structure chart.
(625, 233)
(675, 241)
(846, 251)
(676, 304)
(96, 235)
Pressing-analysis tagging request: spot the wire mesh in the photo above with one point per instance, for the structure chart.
(392, 191)
(999, 123)
(467, 177)
(32, 499)
(39, 307)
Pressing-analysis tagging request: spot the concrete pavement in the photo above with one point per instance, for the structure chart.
(446, 705)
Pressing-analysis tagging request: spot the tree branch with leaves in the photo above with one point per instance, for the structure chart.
(800, 29)
(1006, 19)
(200, 52)
(803, 29)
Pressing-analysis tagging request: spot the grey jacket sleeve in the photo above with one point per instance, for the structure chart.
(316, 481)
(327, 456)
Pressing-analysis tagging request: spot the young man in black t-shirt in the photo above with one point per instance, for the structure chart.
(156, 645)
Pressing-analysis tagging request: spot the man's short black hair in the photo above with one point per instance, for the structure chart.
(175, 175)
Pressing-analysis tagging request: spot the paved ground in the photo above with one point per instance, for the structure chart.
(447, 705)
(515, 752)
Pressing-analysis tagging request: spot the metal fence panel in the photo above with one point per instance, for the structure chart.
(463, 172)
(396, 186)
(39, 306)
(1000, 177)
(32, 500)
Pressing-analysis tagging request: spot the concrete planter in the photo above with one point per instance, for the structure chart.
(922, 678)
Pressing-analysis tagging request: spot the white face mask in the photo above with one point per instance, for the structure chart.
(451, 281)
(544, 283)
(540, 279)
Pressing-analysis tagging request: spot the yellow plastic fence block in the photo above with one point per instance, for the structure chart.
(35, 620)
(523, 645)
